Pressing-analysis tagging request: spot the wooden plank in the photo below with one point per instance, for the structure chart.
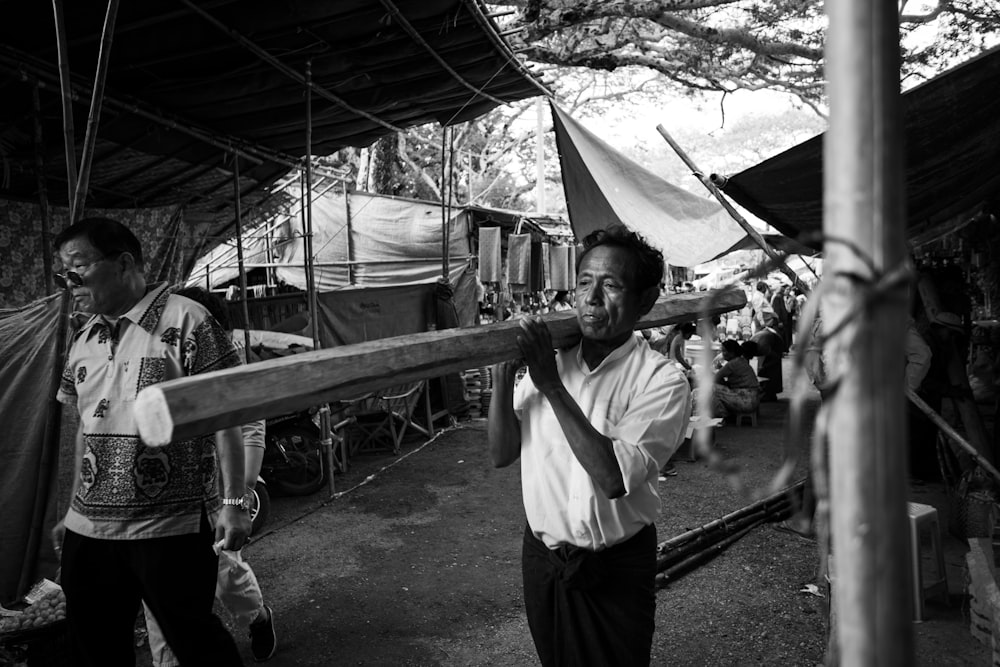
(190, 406)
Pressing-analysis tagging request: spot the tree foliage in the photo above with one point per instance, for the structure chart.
(728, 45)
(598, 56)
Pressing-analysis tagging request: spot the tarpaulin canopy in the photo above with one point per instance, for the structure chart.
(952, 143)
(389, 241)
(29, 374)
(190, 83)
(603, 186)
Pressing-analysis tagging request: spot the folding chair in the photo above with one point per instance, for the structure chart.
(384, 417)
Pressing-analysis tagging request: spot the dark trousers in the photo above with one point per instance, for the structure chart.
(105, 581)
(591, 608)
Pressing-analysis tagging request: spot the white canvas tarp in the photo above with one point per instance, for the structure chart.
(603, 186)
(390, 241)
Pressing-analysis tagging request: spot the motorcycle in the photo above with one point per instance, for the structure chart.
(294, 461)
(293, 455)
(260, 506)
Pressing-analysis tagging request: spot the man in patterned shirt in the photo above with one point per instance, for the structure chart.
(143, 521)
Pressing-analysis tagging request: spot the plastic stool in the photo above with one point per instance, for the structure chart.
(925, 517)
(751, 416)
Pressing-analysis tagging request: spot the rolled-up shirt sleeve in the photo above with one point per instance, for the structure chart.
(652, 428)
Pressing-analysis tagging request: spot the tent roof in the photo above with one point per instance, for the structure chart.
(187, 82)
(952, 129)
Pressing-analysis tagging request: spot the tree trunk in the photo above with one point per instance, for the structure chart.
(382, 158)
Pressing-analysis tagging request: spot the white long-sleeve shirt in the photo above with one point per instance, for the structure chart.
(637, 398)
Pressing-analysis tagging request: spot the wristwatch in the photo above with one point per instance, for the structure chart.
(242, 502)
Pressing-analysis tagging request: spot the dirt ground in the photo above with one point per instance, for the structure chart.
(417, 562)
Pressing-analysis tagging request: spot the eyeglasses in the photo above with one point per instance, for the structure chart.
(71, 279)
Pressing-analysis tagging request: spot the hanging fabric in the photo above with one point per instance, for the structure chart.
(546, 267)
(519, 261)
(559, 267)
(489, 255)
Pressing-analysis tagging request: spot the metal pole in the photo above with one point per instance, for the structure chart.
(65, 85)
(864, 207)
(239, 259)
(740, 220)
(94, 117)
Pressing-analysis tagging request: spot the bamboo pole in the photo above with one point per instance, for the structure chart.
(66, 90)
(178, 408)
(326, 435)
(310, 267)
(775, 512)
(955, 436)
(350, 241)
(675, 571)
(771, 253)
(444, 198)
(43, 190)
(761, 505)
(94, 117)
(239, 258)
(864, 210)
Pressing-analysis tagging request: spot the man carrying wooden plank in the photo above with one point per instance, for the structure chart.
(592, 424)
(143, 521)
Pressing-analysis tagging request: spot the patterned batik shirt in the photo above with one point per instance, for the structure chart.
(129, 490)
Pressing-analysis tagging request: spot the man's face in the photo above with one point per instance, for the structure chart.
(607, 305)
(104, 290)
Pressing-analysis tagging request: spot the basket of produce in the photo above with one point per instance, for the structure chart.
(37, 625)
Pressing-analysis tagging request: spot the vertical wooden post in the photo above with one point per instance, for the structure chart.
(864, 213)
(94, 117)
(445, 198)
(350, 241)
(239, 258)
(66, 89)
(325, 422)
(310, 260)
(43, 190)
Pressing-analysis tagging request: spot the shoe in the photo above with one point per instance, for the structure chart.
(669, 470)
(263, 640)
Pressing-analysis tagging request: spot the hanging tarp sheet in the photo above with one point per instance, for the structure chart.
(29, 363)
(350, 316)
(603, 186)
(952, 143)
(390, 241)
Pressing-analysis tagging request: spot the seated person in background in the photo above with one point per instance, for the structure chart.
(677, 345)
(561, 301)
(770, 348)
(736, 387)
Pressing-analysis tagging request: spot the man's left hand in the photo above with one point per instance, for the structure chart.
(232, 528)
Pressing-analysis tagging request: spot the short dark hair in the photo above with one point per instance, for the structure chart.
(212, 303)
(108, 236)
(749, 349)
(687, 329)
(761, 286)
(646, 271)
(732, 347)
